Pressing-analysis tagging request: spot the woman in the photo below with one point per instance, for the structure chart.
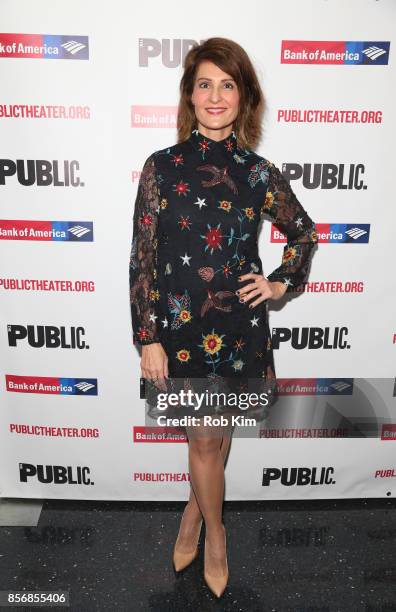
(198, 294)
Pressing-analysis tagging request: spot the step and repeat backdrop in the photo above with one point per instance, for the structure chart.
(87, 95)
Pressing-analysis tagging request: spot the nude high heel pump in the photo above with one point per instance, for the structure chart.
(183, 559)
(217, 584)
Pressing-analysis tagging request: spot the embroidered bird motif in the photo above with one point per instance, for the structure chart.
(214, 300)
(220, 175)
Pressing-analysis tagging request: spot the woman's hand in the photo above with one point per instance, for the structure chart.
(154, 364)
(260, 288)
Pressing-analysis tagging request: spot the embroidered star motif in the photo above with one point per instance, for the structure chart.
(298, 222)
(153, 317)
(288, 282)
(186, 259)
(164, 322)
(254, 321)
(200, 202)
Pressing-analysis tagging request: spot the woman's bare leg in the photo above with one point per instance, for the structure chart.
(193, 511)
(206, 464)
(192, 515)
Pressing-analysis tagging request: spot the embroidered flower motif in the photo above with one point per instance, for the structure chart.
(185, 316)
(289, 255)
(226, 269)
(143, 333)
(212, 343)
(213, 238)
(225, 205)
(178, 304)
(229, 145)
(239, 159)
(184, 223)
(238, 364)
(258, 172)
(181, 188)
(178, 159)
(239, 344)
(183, 355)
(249, 212)
(146, 220)
(164, 203)
(204, 146)
(269, 201)
(154, 295)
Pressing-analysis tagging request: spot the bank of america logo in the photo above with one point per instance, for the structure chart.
(79, 230)
(53, 385)
(73, 46)
(337, 52)
(84, 386)
(374, 52)
(44, 46)
(80, 386)
(356, 232)
(340, 386)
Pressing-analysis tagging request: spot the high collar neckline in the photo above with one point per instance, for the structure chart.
(204, 144)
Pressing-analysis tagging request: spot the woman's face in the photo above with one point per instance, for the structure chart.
(215, 97)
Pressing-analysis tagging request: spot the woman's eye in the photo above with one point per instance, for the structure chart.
(204, 84)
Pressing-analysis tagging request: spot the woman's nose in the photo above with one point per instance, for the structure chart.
(215, 95)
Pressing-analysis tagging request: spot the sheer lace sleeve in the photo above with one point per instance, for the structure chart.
(143, 257)
(283, 206)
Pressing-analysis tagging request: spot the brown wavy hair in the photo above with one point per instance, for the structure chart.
(233, 59)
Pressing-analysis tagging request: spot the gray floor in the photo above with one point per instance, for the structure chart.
(20, 512)
(300, 556)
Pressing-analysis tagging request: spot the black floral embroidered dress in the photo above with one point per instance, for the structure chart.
(195, 231)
